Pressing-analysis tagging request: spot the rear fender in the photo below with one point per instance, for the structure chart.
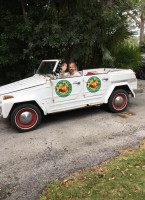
(123, 85)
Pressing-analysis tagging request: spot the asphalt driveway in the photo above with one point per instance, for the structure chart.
(64, 143)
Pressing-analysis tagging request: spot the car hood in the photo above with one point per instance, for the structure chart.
(33, 81)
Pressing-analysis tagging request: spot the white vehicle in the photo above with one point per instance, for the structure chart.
(25, 101)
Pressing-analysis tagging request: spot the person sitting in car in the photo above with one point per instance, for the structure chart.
(73, 71)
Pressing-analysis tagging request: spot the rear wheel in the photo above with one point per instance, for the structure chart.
(25, 117)
(118, 101)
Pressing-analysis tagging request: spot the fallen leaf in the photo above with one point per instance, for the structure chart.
(126, 113)
(105, 194)
(137, 166)
(117, 167)
(13, 191)
(125, 158)
(111, 138)
(123, 172)
(66, 185)
(126, 170)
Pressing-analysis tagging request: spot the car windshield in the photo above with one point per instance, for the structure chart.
(46, 67)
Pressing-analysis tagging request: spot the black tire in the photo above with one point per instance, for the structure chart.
(30, 111)
(112, 104)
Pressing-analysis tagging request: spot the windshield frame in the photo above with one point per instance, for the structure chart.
(54, 69)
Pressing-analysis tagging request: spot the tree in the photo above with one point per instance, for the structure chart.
(138, 15)
(87, 31)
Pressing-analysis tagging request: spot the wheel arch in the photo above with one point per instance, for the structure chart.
(26, 102)
(124, 86)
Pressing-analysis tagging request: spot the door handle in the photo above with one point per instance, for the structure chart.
(104, 79)
(77, 83)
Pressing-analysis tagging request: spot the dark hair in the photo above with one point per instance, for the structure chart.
(64, 63)
(73, 63)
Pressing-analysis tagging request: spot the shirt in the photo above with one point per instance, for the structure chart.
(68, 75)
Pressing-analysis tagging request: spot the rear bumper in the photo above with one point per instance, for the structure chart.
(0, 110)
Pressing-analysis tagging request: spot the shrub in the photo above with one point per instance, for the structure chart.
(127, 56)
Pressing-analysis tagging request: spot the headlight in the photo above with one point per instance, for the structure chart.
(7, 97)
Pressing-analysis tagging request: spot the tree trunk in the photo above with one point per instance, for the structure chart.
(97, 55)
(141, 41)
(140, 22)
(69, 57)
(107, 3)
(94, 54)
(24, 11)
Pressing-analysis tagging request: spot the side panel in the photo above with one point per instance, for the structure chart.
(67, 93)
(65, 90)
(95, 87)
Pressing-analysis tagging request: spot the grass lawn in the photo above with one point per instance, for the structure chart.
(119, 178)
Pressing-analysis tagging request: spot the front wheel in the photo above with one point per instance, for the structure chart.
(118, 101)
(25, 117)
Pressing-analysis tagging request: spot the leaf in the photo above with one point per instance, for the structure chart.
(105, 194)
(13, 191)
(125, 158)
(123, 172)
(118, 167)
(126, 113)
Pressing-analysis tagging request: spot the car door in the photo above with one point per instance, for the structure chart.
(67, 93)
(95, 87)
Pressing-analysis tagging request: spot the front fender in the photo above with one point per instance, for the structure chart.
(7, 105)
(111, 89)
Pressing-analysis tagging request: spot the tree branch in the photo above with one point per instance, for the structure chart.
(24, 11)
(143, 16)
(110, 2)
(134, 18)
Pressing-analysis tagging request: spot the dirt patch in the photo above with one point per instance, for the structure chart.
(126, 114)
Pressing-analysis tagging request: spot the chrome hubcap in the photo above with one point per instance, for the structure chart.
(119, 101)
(26, 117)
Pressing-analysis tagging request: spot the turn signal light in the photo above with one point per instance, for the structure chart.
(7, 97)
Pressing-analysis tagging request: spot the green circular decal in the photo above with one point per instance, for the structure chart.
(63, 88)
(94, 84)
